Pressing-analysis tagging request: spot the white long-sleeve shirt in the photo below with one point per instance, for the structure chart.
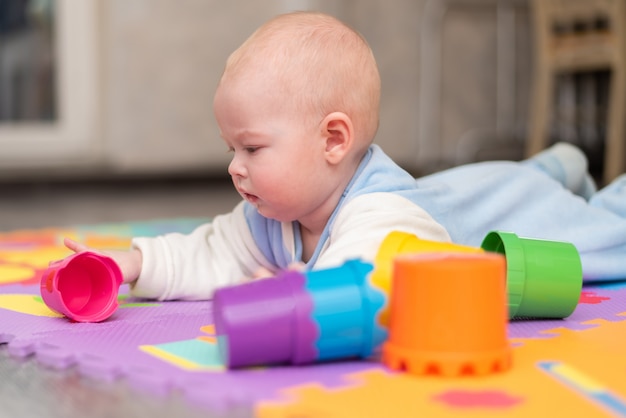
(380, 198)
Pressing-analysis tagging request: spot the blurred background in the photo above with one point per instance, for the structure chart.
(106, 105)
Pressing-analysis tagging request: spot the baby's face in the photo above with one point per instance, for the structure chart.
(278, 161)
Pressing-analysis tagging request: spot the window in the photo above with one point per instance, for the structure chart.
(48, 81)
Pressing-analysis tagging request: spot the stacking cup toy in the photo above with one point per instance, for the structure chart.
(83, 287)
(396, 243)
(448, 315)
(544, 278)
(299, 317)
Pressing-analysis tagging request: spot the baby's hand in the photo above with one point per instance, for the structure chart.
(262, 272)
(129, 262)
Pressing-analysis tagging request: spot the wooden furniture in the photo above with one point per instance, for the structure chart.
(569, 40)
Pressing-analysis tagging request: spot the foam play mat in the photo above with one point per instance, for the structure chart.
(570, 367)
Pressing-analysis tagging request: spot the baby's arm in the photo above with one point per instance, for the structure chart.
(128, 261)
(191, 266)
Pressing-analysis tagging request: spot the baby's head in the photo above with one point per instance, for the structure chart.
(316, 65)
(298, 105)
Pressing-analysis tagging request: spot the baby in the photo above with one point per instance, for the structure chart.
(297, 106)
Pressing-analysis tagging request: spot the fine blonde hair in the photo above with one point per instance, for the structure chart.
(318, 62)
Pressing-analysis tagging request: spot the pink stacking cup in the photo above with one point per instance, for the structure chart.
(83, 287)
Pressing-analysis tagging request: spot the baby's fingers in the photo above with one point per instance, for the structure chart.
(262, 273)
(296, 266)
(75, 246)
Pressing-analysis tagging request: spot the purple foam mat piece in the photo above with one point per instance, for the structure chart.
(603, 301)
(112, 349)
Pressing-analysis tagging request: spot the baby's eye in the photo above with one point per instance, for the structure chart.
(251, 150)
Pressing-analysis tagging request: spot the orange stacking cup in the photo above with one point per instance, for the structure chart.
(448, 315)
(396, 243)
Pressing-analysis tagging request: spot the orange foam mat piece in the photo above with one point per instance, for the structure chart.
(594, 360)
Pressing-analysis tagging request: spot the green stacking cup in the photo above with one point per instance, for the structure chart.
(544, 278)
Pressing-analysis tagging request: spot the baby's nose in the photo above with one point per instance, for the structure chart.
(236, 168)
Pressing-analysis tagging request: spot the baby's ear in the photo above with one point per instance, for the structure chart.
(338, 132)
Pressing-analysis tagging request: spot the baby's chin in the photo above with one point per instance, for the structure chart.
(272, 214)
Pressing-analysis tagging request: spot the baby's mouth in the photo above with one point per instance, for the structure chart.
(250, 197)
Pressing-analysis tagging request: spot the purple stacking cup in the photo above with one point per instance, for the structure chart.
(266, 321)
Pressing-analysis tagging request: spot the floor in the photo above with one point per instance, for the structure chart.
(44, 204)
(27, 389)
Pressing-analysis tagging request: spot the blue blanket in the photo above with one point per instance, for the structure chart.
(473, 199)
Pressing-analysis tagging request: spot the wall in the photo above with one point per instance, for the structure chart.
(455, 80)
(163, 61)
